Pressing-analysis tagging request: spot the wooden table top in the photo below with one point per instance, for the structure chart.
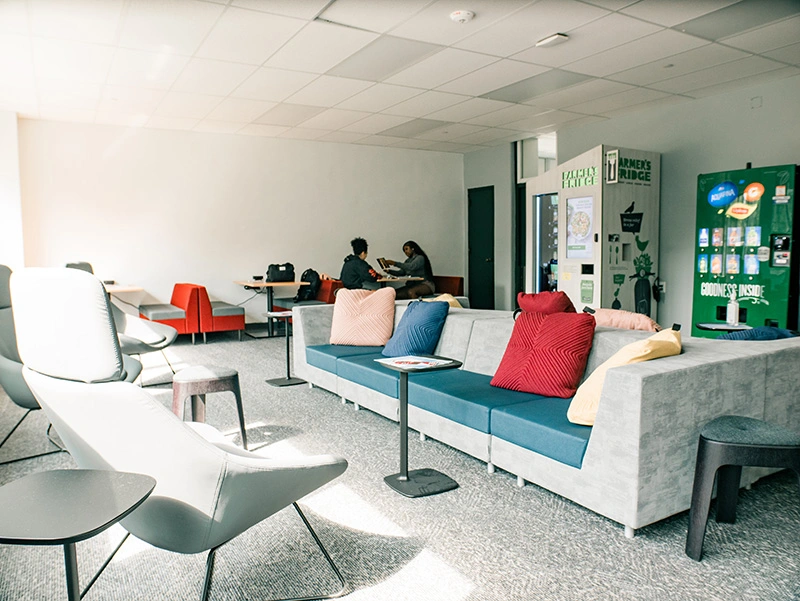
(117, 288)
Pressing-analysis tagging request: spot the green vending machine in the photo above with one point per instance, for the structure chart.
(744, 271)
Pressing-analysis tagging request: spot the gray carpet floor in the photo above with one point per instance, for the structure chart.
(487, 540)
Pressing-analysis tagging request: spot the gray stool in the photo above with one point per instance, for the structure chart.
(726, 444)
(200, 380)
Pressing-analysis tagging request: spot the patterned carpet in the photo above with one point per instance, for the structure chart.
(486, 541)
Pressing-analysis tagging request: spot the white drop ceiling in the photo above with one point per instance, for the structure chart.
(382, 72)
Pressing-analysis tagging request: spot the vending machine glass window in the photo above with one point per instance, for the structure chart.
(546, 245)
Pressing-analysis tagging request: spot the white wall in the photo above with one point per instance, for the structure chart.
(758, 125)
(153, 207)
(495, 167)
(11, 249)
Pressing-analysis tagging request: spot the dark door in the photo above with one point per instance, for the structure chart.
(480, 238)
(519, 241)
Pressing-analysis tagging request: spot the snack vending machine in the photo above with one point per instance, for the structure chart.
(744, 271)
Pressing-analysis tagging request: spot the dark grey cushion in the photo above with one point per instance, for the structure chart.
(223, 309)
(162, 312)
(737, 429)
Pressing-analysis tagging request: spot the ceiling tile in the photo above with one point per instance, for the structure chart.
(487, 135)
(525, 27)
(332, 119)
(240, 110)
(371, 15)
(319, 47)
(206, 76)
(589, 40)
(425, 103)
(217, 127)
(413, 128)
(157, 70)
(659, 102)
(376, 123)
(273, 84)
(468, 109)
(300, 133)
(611, 4)
(380, 140)
(379, 97)
(433, 23)
(123, 119)
(602, 106)
(675, 11)
(767, 38)
(679, 64)
(515, 112)
(583, 92)
(60, 59)
(450, 147)
(544, 119)
(163, 122)
(644, 50)
(382, 58)
(90, 21)
(739, 17)
(168, 26)
(16, 61)
(787, 54)
(440, 68)
(497, 75)
(259, 129)
(246, 36)
(719, 74)
(191, 106)
(413, 143)
(288, 114)
(307, 9)
(62, 93)
(19, 97)
(450, 132)
(328, 91)
(14, 17)
(750, 80)
(549, 81)
(345, 137)
(119, 99)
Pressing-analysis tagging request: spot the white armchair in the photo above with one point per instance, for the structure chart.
(208, 491)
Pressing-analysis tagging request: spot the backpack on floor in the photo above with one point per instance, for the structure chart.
(307, 293)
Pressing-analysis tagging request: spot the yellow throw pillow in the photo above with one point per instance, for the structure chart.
(446, 298)
(583, 408)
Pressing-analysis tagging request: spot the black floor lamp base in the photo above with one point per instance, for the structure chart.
(285, 381)
(421, 483)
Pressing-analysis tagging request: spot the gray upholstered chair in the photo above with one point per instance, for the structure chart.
(11, 367)
(208, 490)
(136, 335)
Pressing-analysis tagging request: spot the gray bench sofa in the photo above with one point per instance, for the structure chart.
(635, 466)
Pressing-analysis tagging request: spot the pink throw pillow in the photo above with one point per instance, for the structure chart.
(617, 318)
(363, 317)
(546, 354)
(545, 302)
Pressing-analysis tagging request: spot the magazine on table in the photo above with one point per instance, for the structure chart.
(414, 362)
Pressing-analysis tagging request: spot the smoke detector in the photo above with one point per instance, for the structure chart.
(462, 16)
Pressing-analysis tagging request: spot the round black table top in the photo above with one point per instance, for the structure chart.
(722, 327)
(409, 364)
(67, 506)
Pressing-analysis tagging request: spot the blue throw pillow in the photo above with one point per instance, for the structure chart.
(758, 333)
(418, 331)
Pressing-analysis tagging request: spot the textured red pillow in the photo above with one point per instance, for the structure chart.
(545, 302)
(546, 354)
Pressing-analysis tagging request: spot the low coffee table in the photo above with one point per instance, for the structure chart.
(425, 481)
(64, 507)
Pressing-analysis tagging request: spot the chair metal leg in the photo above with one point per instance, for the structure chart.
(105, 564)
(339, 593)
(60, 449)
(240, 410)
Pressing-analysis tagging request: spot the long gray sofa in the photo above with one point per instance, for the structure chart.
(634, 466)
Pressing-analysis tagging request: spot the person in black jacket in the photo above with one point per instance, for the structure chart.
(356, 272)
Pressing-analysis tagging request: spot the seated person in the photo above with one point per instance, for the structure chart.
(416, 264)
(356, 272)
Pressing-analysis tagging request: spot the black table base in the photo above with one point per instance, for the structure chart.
(288, 380)
(421, 483)
(285, 381)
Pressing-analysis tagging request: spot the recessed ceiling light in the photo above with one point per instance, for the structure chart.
(552, 40)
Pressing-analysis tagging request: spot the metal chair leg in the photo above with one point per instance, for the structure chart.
(60, 449)
(339, 593)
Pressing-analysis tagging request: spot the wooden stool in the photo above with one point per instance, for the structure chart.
(199, 380)
(726, 444)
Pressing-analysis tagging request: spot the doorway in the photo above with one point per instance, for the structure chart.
(480, 240)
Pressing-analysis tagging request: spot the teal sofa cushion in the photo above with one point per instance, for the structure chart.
(462, 396)
(364, 370)
(324, 356)
(541, 426)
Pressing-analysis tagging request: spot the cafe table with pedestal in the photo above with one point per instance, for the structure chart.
(268, 289)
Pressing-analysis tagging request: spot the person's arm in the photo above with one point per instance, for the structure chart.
(413, 266)
(367, 273)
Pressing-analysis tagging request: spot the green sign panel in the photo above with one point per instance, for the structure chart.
(587, 291)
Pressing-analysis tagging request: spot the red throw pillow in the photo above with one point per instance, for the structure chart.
(546, 354)
(545, 302)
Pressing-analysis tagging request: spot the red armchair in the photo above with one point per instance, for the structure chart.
(181, 313)
(218, 316)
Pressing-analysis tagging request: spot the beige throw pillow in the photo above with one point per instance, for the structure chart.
(446, 298)
(583, 408)
(363, 317)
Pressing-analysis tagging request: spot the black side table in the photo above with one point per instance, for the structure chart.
(288, 380)
(425, 481)
(64, 507)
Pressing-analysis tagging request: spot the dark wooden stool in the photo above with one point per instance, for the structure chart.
(726, 444)
(199, 380)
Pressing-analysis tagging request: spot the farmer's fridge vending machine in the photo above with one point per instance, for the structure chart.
(744, 271)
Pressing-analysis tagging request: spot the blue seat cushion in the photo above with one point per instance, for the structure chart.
(324, 356)
(364, 370)
(462, 396)
(541, 426)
